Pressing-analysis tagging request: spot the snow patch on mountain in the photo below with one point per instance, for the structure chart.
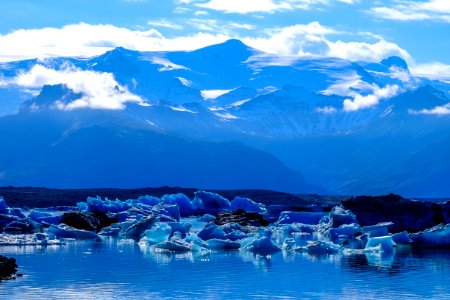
(213, 94)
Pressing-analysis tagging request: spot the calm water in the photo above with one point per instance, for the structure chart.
(118, 270)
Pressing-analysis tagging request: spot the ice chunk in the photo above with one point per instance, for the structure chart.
(289, 217)
(216, 244)
(158, 233)
(37, 239)
(261, 244)
(36, 215)
(186, 207)
(207, 218)
(96, 204)
(4, 210)
(401, 238)
(344, 233)
(320, 247)
(182, 228)
(210, 203)
(299, 227)
(380, 229)
(171, 211)
(6, 219)
(17, 213)
(175, 244)
(340, 216)
(289, 244)
(382, 243)
(66, 231)
(23, 226)
(149, 200)
(136, 230)
(247, 205)
(273, 212)
(110, 231)
(211, 231)
(438, 235)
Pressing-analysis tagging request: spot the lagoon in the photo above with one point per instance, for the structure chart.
(122, 269)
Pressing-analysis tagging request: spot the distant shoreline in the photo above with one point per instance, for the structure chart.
(39, 197)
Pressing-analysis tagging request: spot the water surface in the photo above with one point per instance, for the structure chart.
(114, 269)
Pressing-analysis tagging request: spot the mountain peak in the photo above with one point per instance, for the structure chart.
(395, 61)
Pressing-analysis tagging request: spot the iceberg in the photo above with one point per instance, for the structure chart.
(175, 244)
(344, 233)
(136, 230)
(247, 205)
(310, 218)
(382, 243)
(261, 244)
(68, 232)
(159, 233)
(149, 200)
(377, 230)
(4, 210)
(438, 235)
(185, 205)
(217, 244)
(182, 228)
(340, 216)
(211, 231)
(320, 248)
(210, 203)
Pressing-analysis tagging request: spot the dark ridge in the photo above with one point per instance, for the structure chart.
(45, 197)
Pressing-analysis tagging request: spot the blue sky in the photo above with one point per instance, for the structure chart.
(352, 29)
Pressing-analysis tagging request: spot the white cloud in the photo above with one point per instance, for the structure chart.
(84, 40)
(438, 111)
(434, 70)
(165, 24)
(265, 6)
(99, 90)
(314, 39)
(365, 101)
(414, 10)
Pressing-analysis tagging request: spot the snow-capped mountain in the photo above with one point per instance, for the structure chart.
(349, 127)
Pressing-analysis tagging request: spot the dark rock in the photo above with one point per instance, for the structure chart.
(8, 268)
(6, 219)
(241, 217)
(23, 226)
(407, 215)
(88, 221)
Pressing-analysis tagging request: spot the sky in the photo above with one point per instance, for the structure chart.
(358, 30)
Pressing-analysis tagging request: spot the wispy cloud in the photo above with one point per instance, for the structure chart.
(402, 10)
(265, 6)
(165, 24)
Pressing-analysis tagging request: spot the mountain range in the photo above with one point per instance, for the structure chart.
(224, 117)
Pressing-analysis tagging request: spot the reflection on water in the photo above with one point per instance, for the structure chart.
(122, 269)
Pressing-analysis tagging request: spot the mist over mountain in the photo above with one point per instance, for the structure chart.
(224, 116)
